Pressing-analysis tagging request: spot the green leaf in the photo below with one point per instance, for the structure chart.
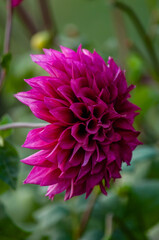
(152, 4)
(4, 187)
(92, 234)
(140, 154)
(51, 215)
(4, 120)
(144, 153)
(9, 164)
(8, 229)
(53, 220)
(153, 170)
(135, 68)
(145, 198)
(153, 233)
(6, 58)
(145, 97)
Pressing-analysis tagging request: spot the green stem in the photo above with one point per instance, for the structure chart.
(87, 214)
(146, 39)
(7, 38)
(121, 35)
(21, 125)
(45, 10)
(26, 19)
(124, 228)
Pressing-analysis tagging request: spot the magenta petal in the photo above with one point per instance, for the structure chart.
(38, 159)
(100, 154)
(113, 66)
(79, 133)
(66, 141)
(28, 97)
(70, 173)
(83, 171)
(103, 189)
(51, 178)
(77, 156)
(97, 168)
(41, 111)
(36, 175)
(34, 141)
(80, 110)
(105, 95)
(63, 115)
(110, 157)
(90, 144)
(121, 82)
(52, 156)
(69, 53)
(93, 180)
(16, 2)
(98, 110)
(51, 133)
(62, 158)
(51, 103)
(98, 60)
(105, 122)
(87, 95)
(79, 189)
(57, 188)
(79, 83)
(86, 158)
(69, 191)
(92, 126)
(123, 124)
(67, 93)
(41, 84)
(100, 135)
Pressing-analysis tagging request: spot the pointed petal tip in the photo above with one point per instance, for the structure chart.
(32, 57)
(25, 181)
(16, 95)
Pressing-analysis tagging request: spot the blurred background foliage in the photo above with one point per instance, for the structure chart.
(130, 34)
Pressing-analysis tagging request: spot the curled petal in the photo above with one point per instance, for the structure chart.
(79, 132)
(36, 175)
(92, 126)
(64, 115)
(34, 141)
(51, 178)
(80, 110)
(51, 133)
(38, 159)
(66, 141)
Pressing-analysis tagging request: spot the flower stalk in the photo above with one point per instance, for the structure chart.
(87, 214)
(27, 20)
(21, 125)
(47, 17)
(144, 36)
(7, 38)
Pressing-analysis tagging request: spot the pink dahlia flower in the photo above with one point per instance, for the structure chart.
(90, 130)
(16, 2)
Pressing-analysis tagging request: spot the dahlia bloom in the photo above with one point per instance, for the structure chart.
(90, 132)
(16, 2)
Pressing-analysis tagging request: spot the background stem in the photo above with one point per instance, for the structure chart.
(26, 19)
(121, 35)
(8, 29)
(45, 10)
(146, 39)
(87, 214)
(21, 125)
